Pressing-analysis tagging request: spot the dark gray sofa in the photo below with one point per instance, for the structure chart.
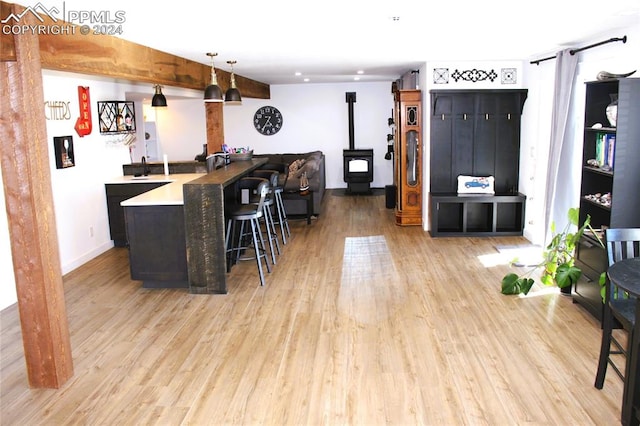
(314, 166)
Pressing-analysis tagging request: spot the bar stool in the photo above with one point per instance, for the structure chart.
(270, 202)
(239, 214)
(283, 175)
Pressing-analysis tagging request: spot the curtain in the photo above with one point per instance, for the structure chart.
(566, 66)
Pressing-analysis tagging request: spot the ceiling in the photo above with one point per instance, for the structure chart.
(331, 40)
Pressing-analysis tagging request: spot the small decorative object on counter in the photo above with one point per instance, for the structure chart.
(605, 75)
(304, 184)
(238, 154)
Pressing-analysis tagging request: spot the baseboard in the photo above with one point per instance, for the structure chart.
(86, 257)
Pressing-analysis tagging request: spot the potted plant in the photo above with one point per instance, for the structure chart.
(558, 259)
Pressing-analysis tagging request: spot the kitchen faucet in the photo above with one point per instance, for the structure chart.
(145, 168)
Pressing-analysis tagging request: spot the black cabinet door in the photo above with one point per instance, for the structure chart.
(440, 143)
(157, 245)
(476, 133)
(485, 137)
(117, 193)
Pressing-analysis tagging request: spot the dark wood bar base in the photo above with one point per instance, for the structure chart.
(205, 225)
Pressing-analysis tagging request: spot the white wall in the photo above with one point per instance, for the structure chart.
(315, 117)
(181, 128)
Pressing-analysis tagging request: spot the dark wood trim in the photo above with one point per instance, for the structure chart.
(204, 200)
(24, 158)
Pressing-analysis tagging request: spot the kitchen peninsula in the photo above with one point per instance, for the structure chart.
(176, 232)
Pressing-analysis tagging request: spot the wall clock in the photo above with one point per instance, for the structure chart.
(267, 120)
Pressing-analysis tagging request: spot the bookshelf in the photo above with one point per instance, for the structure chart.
(610, 184)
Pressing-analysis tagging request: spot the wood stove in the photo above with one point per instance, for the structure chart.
(357, 163)
(358, 170)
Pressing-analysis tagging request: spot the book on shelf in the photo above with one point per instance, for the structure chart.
(605, 149)
(600, 149)
(610, 146)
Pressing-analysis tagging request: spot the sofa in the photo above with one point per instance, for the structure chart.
(313, 163)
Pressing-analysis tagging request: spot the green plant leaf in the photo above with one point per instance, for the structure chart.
(602, 281)
(550, 268)
(574, 215)
(526, 284)
(512, 284)
(567, 275)
(546, 279)
(509, 283)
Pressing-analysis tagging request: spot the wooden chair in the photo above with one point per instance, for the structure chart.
(619, 308)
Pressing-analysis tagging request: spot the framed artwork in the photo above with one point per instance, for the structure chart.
(63, 147)
(116, 117)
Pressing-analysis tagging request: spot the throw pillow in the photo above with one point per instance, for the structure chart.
(310, 167)
(295, 166)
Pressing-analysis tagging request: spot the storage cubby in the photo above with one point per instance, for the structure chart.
(449, 217)
(479, 217)
(509, 217)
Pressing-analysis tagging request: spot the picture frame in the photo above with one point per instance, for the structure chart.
(63, 147)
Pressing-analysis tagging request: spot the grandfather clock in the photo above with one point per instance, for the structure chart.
(408, 156)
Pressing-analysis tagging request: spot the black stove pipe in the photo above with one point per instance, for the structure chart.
(351, 99)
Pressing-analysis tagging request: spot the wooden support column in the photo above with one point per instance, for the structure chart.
(26, 177)
(215, 126)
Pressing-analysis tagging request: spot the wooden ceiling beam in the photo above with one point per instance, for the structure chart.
(110, 56)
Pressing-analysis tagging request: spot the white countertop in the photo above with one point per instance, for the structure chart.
(167, 195)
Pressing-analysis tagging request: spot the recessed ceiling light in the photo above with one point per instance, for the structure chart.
(306, 79)
(356, 78)
(360, 72)
(298, 73)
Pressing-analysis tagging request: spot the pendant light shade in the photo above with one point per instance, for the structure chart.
(233, 94)
(213, 93)
(159, 99)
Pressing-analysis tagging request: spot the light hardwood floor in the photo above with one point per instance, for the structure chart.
(361, 322)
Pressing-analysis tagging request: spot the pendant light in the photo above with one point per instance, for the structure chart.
(233, 94)
(158, 99)
(213, 93)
